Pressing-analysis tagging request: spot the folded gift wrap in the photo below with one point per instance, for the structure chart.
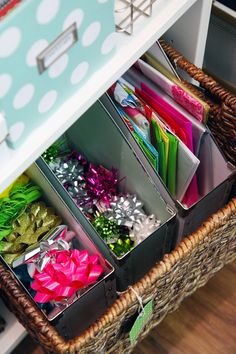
(174, 119)
(175, 88)
(137, 118)
(187, 193)
(175, 110)
(158, 142)
(172, 163)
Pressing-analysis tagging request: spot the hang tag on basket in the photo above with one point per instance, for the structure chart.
(140, 322)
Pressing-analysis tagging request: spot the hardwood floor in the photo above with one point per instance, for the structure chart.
(204, 324)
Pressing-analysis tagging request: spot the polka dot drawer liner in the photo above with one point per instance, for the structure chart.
(48, 49)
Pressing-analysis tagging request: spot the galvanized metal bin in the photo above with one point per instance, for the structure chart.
(189, 219)
(98, 138)
(95, 300)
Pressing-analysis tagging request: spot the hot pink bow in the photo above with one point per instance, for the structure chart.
(64, 274)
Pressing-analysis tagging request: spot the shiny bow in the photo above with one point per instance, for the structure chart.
(101, 184)
(80, 196)
(125, 210)
(68, 170)
(115, 236)
(44, 256)
(27, 229)
(107, 229)
(143, 228)
(122, 245)
(65, 273)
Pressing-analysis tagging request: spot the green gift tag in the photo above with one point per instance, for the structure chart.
(141, 321)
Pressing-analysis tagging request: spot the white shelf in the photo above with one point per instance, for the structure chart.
(14, 332)
(129, 49)
(225, 9)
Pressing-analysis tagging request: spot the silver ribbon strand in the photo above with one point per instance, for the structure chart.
(45, 246)
(126, 210)
(144, 228)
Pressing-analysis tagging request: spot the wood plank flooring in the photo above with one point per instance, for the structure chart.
(204, 324)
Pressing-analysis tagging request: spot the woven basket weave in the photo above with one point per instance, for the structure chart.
(188, 267)
(181, 272)
(222, 116)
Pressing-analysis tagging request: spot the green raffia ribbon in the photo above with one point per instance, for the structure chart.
(27, 229)
(116, 237)
(10, 207)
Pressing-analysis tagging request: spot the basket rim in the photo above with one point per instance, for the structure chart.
(13, 291)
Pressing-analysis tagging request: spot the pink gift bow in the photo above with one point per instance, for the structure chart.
(101, 183)
(64, 274)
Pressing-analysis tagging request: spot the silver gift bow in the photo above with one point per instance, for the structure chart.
(126, 210)
(80, 196)
(68, 171)
(45, 246)
(143, 228)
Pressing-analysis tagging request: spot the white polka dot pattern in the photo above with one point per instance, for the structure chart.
(109, 44)
(47, 10)
(15, 131)
(9, 41)
(35, 50)
(47, 102)
(76, 16)
(79, 73)
(5, 84)
(58, 67)
(28, 96)
(23, 96)
(91, 33)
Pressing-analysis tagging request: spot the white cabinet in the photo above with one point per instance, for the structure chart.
(185, 22)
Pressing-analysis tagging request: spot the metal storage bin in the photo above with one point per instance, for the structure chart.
(93, 302)
(98, 138)
(189, 219)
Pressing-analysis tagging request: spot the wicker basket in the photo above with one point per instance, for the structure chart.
(222, 117)
(188, 267)
(181, 272)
